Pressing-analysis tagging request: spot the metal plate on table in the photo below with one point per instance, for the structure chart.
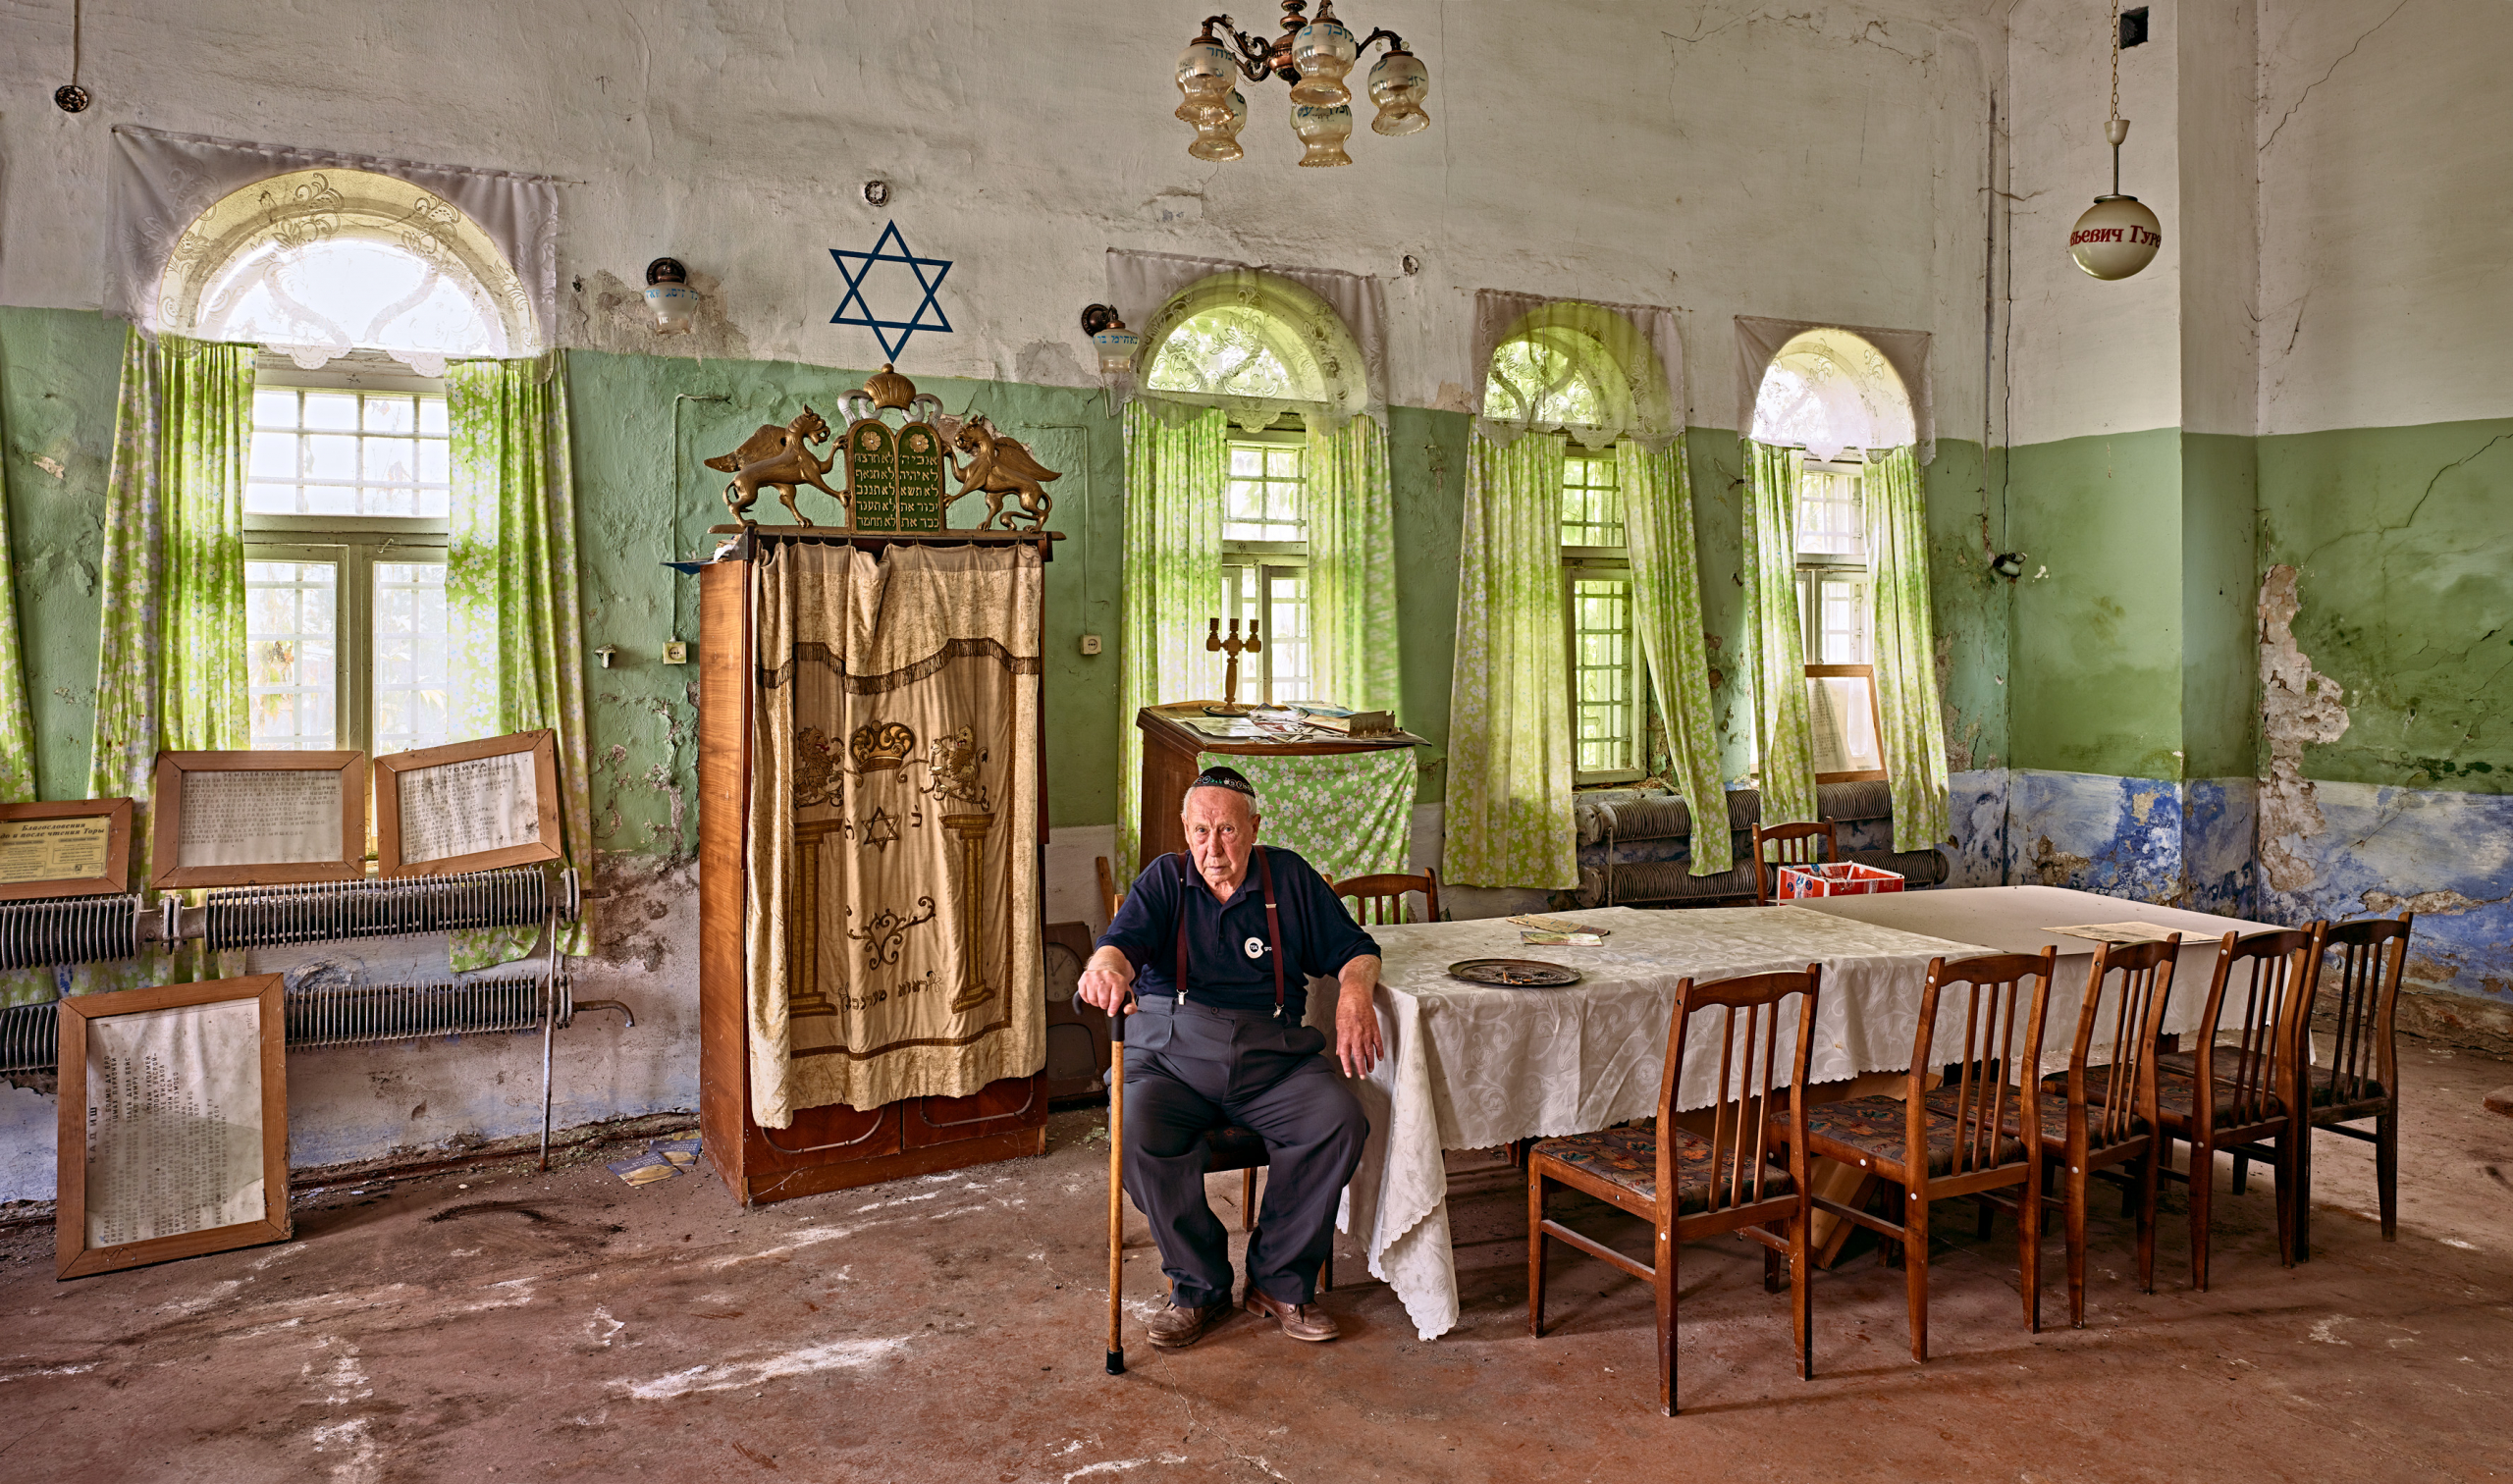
(1514, 973)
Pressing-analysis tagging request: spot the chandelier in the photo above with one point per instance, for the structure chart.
(1313, 56)
(2117, 236)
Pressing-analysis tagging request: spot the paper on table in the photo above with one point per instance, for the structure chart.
(1556, 925)
(54, 850)
(174, 1121)
(2118, 932)
(260, 817)
(459, 809)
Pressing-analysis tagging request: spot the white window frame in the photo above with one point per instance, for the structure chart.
(1269, 559)
(1611, 562)
(1814, 567)
(355, 544)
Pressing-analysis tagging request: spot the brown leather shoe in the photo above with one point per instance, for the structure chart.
(1178, 1326)
(1301, 1321)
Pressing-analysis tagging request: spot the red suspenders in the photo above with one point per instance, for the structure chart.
(1273, 926)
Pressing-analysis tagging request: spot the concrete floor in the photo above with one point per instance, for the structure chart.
(499, 1323)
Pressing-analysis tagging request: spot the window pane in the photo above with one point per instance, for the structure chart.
(1605, 717)
(1591, 501)
(413, 700)
(275, 408)
(1262, 500)
(1287, 652)
(1829, 518)
(390, 414)
(291, 673)
(432, 420)
(332, 410)
(387, 458)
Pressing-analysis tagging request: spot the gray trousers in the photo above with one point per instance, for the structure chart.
(1194, 1067)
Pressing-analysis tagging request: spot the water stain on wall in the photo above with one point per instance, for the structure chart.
(2297, 704)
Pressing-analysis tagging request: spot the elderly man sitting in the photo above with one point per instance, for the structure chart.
(1217, 957)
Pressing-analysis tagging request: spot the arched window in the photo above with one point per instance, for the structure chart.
(1831, 391)
(360, 288)
(1259, 346)
(321, 263)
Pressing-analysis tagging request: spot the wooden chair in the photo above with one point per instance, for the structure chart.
(1796, 844)
(1958, 1142)
(2361, 1078)
(2241, 1094)
(1109, 896)
(1380, 899)
(2104, 1115)
(1686, 1186)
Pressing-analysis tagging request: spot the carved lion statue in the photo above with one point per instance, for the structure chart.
(777, 458)
(998, 466)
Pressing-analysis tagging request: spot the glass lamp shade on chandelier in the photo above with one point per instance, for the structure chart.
(1316, 57)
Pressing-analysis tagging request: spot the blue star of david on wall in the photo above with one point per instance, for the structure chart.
(889, 249)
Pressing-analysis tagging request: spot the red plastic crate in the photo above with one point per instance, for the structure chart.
(1835, 878)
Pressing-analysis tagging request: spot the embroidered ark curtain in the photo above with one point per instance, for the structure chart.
(893, 917)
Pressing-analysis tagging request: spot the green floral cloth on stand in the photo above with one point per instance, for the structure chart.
(1776, 655)
(1906, 704)
(1170, 583)
(1509, 796)
(1347, 814)
(511, 595)
(1665, 590)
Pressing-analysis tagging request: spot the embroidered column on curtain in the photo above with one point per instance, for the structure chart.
(1783, 740)
(1171, 583)
(1509, 795)
(517, 646)
(1906, 701)
(1352, 567)
(894, 887)
(1666, 592)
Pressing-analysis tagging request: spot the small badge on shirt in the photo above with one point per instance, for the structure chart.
(1255, 947)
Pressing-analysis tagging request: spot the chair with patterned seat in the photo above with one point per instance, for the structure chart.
(1791, 845)
(2104, 1114)
(1688, 1187)
(2361, 1078)
(2237, 1096)
(1963, 1140)
(1382, 898)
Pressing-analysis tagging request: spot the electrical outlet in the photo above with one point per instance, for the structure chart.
(1091, 644)
(676, 653)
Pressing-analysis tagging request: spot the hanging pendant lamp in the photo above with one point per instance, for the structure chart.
(2117, 236)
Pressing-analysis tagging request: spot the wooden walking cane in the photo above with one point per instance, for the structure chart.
(1116, 1188)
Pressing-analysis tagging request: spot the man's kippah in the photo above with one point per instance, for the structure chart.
(1232, 778)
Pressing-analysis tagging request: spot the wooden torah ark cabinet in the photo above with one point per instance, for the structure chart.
(826, 1149)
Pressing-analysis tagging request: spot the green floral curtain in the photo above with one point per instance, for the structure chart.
(17, 724)
(1906, 701)
(1509, 793)
(1666, 594)
(511, 589)
(1784, 742)
(1171, 583)
(170, 662)
(1352, 566)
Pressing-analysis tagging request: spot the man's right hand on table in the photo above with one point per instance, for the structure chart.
(1107, 981)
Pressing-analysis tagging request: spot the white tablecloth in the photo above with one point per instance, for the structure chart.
(1468, 1066)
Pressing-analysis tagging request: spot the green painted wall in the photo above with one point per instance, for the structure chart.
(2095, 646)
(643, 424)
(2403, 543)
(1969, 605)
(2219, 604)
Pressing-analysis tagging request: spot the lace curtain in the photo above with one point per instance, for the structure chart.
(1600, 373)
(1509, 796)
(1872, 358)
(511, 600)
(1256, 342)
(1666, 598)
(1906, 700)
(246, 241)
(1784, 737)
(1169, 584)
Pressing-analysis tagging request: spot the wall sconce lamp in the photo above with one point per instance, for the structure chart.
(1110, 336)
(670, 297)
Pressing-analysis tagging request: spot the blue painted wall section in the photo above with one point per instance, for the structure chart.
(2446, 856)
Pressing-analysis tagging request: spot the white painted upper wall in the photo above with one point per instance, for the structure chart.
(2386, 191)
(1819, 161)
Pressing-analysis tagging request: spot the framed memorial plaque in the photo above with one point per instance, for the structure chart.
(259, 818)
(174, 1124)
(80, 848)
(469, 806)
(1842, 715)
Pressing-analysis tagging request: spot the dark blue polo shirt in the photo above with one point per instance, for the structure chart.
(1228, 964)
